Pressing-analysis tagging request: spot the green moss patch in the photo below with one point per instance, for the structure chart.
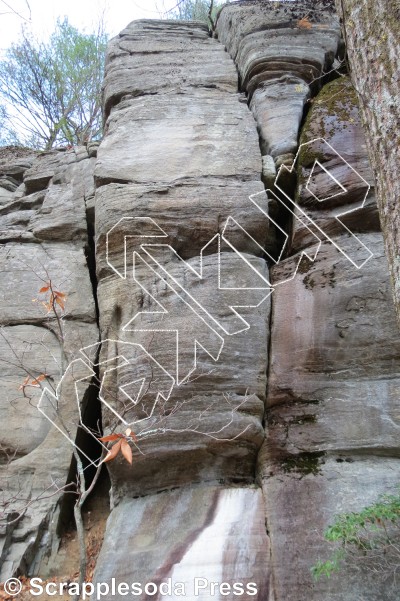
(304, 463)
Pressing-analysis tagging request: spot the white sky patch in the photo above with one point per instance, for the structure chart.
(41, 15)
(83, 14)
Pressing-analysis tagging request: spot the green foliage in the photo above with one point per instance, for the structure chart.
(195, 10)
(51, 91)
(326, 568)
(371, 536)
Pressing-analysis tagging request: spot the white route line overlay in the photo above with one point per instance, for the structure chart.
(303, 215)
(298, 213)
(48, 397)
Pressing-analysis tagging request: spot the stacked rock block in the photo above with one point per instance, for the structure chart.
(258, 416)
(177, 165)
(281, 51)
(45, 205)
(332, 425)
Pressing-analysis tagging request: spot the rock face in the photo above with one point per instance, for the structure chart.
(332, 421)
(261, 383)
(280, 50)
(224, 525)
(331, 124)
(44, 235)
(161, 168)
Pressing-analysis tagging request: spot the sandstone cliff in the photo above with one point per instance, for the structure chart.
(252, 341)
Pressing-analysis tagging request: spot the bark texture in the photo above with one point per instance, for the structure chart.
(372, 35)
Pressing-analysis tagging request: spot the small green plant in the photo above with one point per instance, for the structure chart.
(370, 537)
(197, 10)
(326, 568)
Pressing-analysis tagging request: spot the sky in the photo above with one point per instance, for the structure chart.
(41, 15)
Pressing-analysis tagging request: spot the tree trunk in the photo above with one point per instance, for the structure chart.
(371, 30)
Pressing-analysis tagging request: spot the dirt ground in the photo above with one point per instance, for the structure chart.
(95, 514)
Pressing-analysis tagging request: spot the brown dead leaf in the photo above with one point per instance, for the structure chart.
(122, 445)
(304, 23)
(40, 378)
(24, 383)
(113, 452)
(126, 451)
(60, 302)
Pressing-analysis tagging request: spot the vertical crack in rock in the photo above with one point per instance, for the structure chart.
(90, 253)
(43, 235)
(277, 93)
(181, 156)
(332, 442)
(185, 158)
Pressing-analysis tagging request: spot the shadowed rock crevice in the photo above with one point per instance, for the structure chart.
(190, 159)
(330, 424)
(250, 442)
(44, 235)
